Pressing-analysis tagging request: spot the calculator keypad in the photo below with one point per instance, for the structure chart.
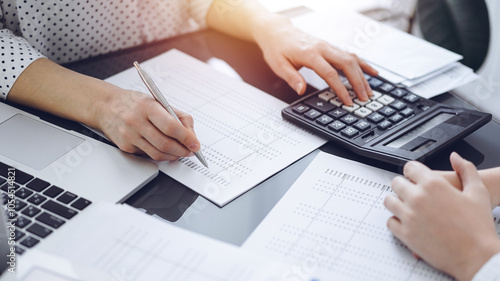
(388, 107)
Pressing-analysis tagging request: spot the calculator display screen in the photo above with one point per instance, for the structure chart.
(430, 124)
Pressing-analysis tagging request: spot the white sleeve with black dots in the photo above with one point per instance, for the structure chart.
(16, 54)
(70, 30)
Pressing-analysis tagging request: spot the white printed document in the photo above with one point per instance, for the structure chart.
(382, 45)
(331, 224)
(243, 136)
(123, 243)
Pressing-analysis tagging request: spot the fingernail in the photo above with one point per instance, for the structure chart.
(407, 167)
(298, 88)
(194, 147)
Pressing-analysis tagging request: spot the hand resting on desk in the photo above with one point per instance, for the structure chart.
(451, 228)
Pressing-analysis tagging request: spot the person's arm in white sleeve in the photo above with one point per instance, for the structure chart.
(16, 54)
(490, 271)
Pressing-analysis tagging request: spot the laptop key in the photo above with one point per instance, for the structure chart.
(29, 242)
(31, 211)
(23, 193)
(39, 230)
(38, 185)
(59, 209)
(81, 203)
(66, 197)
(37, 199)
(19, 250)
(19, 234)
(22, 177)
(22, 222)
(20, 205)
(53, 191)
(50, 220)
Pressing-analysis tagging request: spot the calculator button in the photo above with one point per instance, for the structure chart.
(361, 103)
(407, 112)
(399, 93)
(374, 82)
(376, 95)
(374, 106)
(376, 117)
(337, 113)
(300, 109)
(336, 126)
(396, 118)
(387, 111)
(349, 119)
(312, 114)
(399, 105)
(337, 102)
(352, 94)
(349, 132)
(362, 126)
(319, 104)
(385, 100)
(351, 108)
(384, 125)
(363, 112)
(324, 120)
(386, 87)
(412, 98)
(327, 96)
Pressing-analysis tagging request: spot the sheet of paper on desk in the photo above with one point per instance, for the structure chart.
(333, 219)
(130, 245)
(447, 79)
(243, 137)
(394, 50)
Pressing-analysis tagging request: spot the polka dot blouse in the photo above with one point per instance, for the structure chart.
(70, 30)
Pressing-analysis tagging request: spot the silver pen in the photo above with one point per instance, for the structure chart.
(161, 99)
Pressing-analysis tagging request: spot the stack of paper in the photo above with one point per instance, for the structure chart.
(427, 69)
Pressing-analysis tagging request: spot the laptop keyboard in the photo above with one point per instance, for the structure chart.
(37, 208)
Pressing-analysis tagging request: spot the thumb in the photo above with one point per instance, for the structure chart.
(467, 173)
(286, 71)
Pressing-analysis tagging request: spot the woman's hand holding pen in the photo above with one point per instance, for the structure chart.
(138, 124)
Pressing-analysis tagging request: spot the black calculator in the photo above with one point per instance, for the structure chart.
(394, 126)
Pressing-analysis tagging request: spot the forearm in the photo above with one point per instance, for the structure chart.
(46, 86)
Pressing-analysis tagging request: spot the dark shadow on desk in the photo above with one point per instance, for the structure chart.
(164, 197)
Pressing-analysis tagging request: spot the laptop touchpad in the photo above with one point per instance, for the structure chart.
(34, 143)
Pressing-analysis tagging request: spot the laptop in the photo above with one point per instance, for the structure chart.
(49, 174)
